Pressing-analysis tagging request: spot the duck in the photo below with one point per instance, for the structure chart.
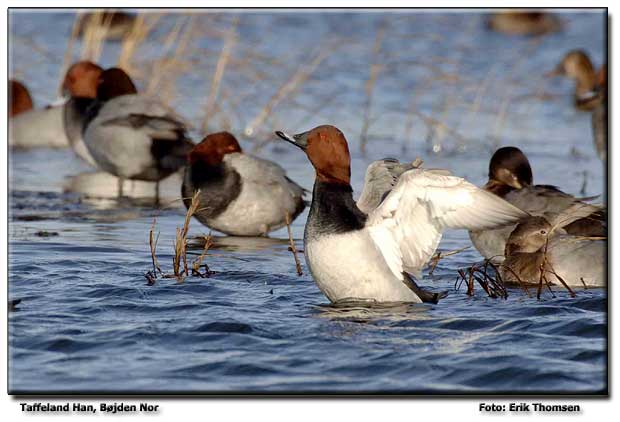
(31, 127)
(523, 23)
(240, 195)
(133, 136)
(114, 25)
(19, 98)
(576, 65)
(59, 125)
(370, 256)
(599, 117)
(537, 247)
(80, 87)
(510, 178)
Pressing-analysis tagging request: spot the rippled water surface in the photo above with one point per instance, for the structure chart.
(88, 321)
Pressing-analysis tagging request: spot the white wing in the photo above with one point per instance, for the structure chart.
(408, 224)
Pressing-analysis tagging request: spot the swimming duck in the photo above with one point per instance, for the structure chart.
(368, 256)
(19, 98)
(80, 85)
(133, 136)
(577, 65)
(240, 194)
(115, 25)
(523, 23)
(536, 244)
(510, 177)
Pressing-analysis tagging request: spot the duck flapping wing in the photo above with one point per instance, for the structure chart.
(408, 225)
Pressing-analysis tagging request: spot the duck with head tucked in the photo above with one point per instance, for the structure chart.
(510, 177)
(537, 248)
(240, 194)
(133, 136)
(19, 98)
(30, 127)
(367, 254)
(515, 22)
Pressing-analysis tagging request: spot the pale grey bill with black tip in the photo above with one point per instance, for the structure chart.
(300, 140)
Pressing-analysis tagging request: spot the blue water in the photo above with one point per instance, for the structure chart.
(89, 322)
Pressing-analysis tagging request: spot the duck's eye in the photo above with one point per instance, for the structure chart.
(543, 232)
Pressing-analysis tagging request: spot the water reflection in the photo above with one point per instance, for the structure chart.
(101, 185)
(369, 311)
(238, 244)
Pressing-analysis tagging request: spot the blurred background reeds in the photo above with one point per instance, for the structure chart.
(432, 82)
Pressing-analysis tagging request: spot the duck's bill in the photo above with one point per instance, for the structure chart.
(300, 140)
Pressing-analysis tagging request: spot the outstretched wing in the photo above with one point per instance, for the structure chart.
(408, 225)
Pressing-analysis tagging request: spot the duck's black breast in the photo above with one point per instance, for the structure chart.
(219, 186)
(75, 116)
(333, 211)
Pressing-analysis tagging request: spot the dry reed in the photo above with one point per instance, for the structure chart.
(440, 255)
(94, 32)
(229, 42)
(180, 267)
(197, 264)
(140, 30)
(165, 72)
(297, 79)
(66, 61)
(292, 248)
(375, 67)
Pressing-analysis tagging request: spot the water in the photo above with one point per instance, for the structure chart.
(88, 321)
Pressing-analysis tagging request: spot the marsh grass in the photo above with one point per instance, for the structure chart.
(492, 285)
(94, 33)
(495, 286)
(247, 85)
(292, 246)
(180, 266)
(439, 255)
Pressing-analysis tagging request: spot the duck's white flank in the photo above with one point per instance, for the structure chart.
(265, 198)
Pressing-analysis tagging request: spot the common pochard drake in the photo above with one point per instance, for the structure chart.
(80, 85)
(240, 194)
(536, 245)
(19, 98)
(510, 177)
(134, 136)
(368, 255)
